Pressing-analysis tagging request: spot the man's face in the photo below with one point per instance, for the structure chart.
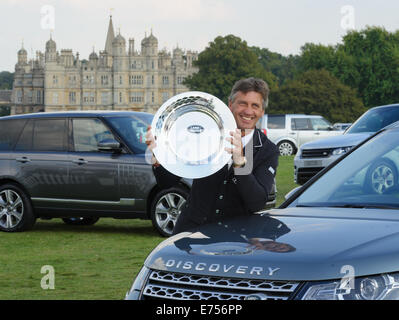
(247, 109)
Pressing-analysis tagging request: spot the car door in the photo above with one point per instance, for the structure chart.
(303, 129)
(94, 175)
(322, 129)
(276, 127)
(41, 161)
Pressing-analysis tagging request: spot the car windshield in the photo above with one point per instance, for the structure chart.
(133, 130)
(375, 120)
(366, 178)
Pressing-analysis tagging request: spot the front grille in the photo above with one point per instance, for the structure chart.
(316, 153)
(305, 174)
(175, 286)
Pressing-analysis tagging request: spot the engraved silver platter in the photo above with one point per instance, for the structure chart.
(190, 132)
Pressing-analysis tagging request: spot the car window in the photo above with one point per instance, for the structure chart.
(133, 130)
(87, 133)
(320, 124)
(49, 135)
(9, 133)
(43, 135)
(375, 119)
(300, 124)
(276, 122)
(368, 176)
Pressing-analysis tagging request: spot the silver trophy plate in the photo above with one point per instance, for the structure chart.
(190, 132)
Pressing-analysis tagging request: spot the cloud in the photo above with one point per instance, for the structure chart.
(150, 10)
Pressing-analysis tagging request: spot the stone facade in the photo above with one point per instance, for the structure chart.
(118, 78)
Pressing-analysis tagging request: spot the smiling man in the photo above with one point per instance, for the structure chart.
(232, 191)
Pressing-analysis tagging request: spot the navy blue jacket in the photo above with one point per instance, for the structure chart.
(226, 194)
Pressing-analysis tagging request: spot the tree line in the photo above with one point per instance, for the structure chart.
(6, 80)
(339, 82)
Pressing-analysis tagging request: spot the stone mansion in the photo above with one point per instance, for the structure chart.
(118, 78)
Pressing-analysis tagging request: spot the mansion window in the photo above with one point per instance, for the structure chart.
(55, 80)
(30, 95)
(72, 97)
(180, 79)
(19, 96)
(105, 98)
(165, 96)
(89, 97)
(39, 97)
(136, 97)
(104, 80)
(72, 80)
(55, 98)
(88, 79)
(165, 80)
(136, 80)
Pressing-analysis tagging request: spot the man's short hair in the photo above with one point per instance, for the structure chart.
(251, 84)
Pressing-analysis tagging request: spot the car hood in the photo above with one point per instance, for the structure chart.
(345, 140)
(287, 244)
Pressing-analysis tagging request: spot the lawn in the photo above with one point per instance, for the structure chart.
(90, 263)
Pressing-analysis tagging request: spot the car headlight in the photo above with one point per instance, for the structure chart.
(381, 287)
(341, 151)
(139, 282)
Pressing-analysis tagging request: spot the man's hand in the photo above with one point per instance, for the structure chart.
(237, 150)
(150, 142)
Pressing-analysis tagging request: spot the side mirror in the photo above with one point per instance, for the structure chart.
(109, 145)
(289, 194)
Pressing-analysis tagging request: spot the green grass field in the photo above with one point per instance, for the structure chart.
(90, 263)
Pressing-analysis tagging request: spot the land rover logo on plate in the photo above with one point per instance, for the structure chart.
(195, 129)
(224, 249)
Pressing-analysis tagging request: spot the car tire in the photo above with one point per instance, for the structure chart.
(16, 211)
(80, 221)
(382, 177)
(286, 148)
(166, 208)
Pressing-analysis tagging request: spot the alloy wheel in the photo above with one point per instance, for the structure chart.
(382, 179)
(167, 211)
(286, 149)
(11, 209)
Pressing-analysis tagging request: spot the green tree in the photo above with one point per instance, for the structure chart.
(366, 60)
(225, 61)
(283, 68)
(6, 80)
(4, 111)
(317, 92)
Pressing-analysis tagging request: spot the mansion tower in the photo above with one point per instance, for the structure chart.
(118, 78)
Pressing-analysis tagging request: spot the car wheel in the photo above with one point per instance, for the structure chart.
(80, 221)
(382, 177)
(16, 212)
(286, 148)
(166, 208)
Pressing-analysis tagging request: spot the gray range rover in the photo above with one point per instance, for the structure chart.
(335, 238)
(82, 166)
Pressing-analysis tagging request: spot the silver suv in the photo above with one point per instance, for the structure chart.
(312, 157)
(290, 131)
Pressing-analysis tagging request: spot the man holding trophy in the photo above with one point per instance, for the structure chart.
(242, 185)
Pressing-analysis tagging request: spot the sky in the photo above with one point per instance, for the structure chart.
(282, 26)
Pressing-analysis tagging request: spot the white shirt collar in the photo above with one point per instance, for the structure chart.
(247, 138)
